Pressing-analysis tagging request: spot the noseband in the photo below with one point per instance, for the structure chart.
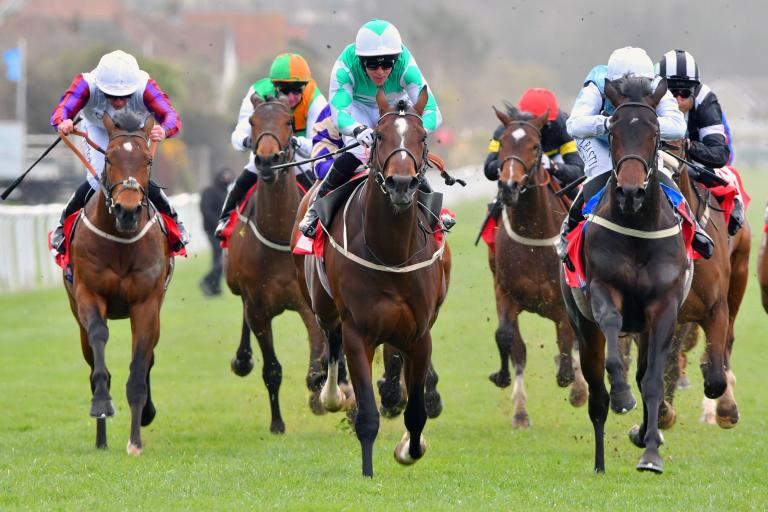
(380, 167)
(649, 167)
(286, 150)
(129, 183)
(527, 171)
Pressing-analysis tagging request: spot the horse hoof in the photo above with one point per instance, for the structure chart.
(634, 436)
(102, 408)
(565, 373)
(578, 396)
(622, 400)
(315, 404)
(390, 412)
(331, 401)
(277, 427)
(727, 418)
(521, 420)
(683, 382)
(241, 367)
(349, 396)
(402, 452)
(501, 379)
(651, 462)
(133, 449)
(148, 413)
(433, 404)
(667, 416)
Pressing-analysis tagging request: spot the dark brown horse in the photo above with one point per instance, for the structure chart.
(636, 272)
(524, 263)
(387, 277)
(258, 264)
(716, 293)
(120, 269)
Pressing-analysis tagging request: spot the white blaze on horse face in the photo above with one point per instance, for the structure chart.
(634, 120)
(518, 134)
(402, 127)
(128, 146)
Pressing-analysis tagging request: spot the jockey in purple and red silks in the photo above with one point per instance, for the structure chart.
(116, 84)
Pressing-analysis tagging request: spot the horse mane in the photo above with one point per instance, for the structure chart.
(515, 114)
(633, 87)
(128, 121)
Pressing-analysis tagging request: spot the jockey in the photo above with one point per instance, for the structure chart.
(560, 158)
(117, 83)
(708, 137)
(289, 76)
(377, 58)
(588, 125)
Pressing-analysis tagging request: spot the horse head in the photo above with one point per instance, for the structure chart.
(520, 152)
(128, 162)
(271, 131)
(633, 137)
(399, 152)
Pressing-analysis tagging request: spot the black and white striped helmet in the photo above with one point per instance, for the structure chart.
(679, 66)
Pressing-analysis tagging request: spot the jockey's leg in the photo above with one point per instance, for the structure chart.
(76, 202)
(447, 220)
(161, 202)
(243, 184)
(343, 169)
(702, 243)
(737, 216)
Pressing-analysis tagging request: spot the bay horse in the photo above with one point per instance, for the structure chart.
(524, 263)
(120, 269)
(636, 272)
(387, 277)
(716, 293)
(258, 263)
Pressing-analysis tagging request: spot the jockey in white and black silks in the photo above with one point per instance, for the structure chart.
(115, 85)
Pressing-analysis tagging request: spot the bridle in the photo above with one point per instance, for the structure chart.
(129, 183)
(527, 170)
(286, 149)
(648, 167)
(379, 166)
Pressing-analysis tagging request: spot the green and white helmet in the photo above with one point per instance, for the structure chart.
(377, 38)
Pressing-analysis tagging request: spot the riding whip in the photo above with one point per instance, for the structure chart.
(18, 180)
(699, 170)
(302, 162)
(572, 185)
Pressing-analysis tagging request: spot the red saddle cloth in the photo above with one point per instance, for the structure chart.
(169, 227)
(489, 233)
(726, 194)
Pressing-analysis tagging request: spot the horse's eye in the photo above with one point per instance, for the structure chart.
(378, 136)
(536, 147)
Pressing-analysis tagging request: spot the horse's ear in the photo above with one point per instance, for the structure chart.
(421, 101)
(282, 98)
(109, 124)
(612, 93)
(149, 122)
(540, 121)
(256, 99)
(381, 100)
(503, 117)
(661, 90)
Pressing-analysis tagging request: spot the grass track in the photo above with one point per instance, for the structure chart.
(210, 446)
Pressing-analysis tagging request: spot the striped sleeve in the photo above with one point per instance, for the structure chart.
(72, 101)
(326, 139)
(157, 102)
(412, 82)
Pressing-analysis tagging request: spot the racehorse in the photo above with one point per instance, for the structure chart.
(716, 293)
(120, 269)
(387, 277)
(258, 263)
(635, 270)
(762, 268)
(524, 263)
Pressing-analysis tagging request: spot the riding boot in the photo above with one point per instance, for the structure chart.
(242, 185)
(76, 202)
(737, 217)
(447, 221)
(571, 222)
(161, 202)
(340, 172)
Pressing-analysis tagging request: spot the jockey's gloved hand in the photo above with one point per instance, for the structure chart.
(606, 124)
(247, 142)
(364, 135)
(547, 163)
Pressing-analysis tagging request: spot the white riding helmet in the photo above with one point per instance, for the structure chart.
(117, 74)
(376, 38)
(632, 61)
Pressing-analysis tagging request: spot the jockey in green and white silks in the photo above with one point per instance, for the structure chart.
(377, 59)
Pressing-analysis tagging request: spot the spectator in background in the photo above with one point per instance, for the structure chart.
(211, 200)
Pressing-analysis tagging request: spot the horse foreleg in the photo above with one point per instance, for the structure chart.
(242, 363)
(592, 357)
(413, 445)
(715, 327)
(393, 399)
(316, 373)
(101, 423)
(331, 395)
(359, 352)
(148, 412)
(564, 359)
(606, 307)
(91, 313)
(271, 371)
(432, 400)
(145, 325)
(503, 338)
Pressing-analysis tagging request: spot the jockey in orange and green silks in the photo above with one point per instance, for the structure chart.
(289, 76)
